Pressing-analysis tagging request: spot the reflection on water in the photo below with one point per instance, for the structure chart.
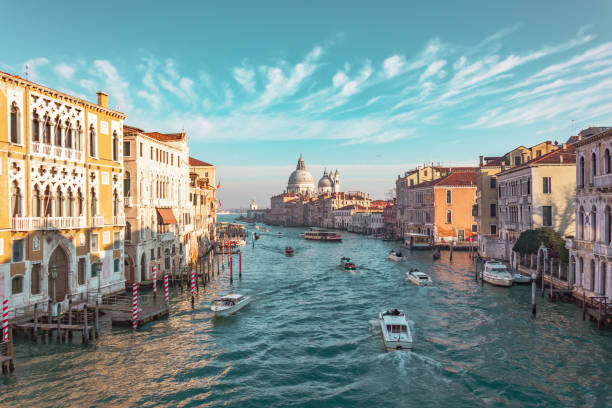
(306, 340)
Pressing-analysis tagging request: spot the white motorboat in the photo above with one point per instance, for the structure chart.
(419, 278)
(239, 242)
(496, 274)
(396, 256)
(229, 304)
(520, 279)
(257, 227)
(395, 330)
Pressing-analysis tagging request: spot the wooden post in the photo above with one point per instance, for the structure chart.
(59, 329)
(10, 351)
(231, 269)
(49, 314)
(35, 337)
(97, 321)
(85, 330)
(70, 317)
(482, 265)
(583, 304)
(240, 264)
(450, 245)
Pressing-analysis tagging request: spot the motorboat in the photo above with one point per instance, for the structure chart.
(416, 241)
(266, 230)
(376, 236)
(418, 278)
(289, 251)
(436, 255)
(395, 330)
(347, 264)
(496, 273)
(229, 304)
(396, 256)
(279, 235)
(388, 239)
(520, 279)
(256, 236)
(238, 242)
(257, 227)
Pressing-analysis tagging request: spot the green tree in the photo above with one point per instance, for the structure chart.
(530, 241)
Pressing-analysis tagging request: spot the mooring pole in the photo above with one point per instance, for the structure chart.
(533, 293)
(240, 264)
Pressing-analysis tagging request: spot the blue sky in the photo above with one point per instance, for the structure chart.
(371, 88)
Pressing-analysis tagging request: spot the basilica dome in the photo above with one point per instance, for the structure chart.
(325, 181)
(301, 181)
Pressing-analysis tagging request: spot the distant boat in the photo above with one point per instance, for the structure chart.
(419, 278)
(256, 236)
(396, 256)
(229, 304)
(436, 255)
(346, 264)
(317, 235)
(289, 251)
(279, 235)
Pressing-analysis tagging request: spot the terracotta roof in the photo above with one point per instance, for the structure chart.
(196, 162)
(465, 177)
(559, 156)
(165, 137)
(131, 129)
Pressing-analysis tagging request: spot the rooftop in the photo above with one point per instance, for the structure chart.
(198, 163)
(559, 156)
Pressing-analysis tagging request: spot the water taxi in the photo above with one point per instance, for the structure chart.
(289, 251)
(396, 256)
(347, 264)
(317, 235)
(496, 274)
(418, 278)
(229, 304)
(416, 241)
(395, 330)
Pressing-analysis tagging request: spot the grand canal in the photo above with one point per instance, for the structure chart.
(306, 341)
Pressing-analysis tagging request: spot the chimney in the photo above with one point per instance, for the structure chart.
(564, 146)
(102, 99)
(481, 160)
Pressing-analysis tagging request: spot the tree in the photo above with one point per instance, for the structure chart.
(530, 241)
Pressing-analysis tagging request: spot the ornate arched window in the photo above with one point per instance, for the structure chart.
(126, 184)
(47, 130)
(608, 225)
(607, 162)
(594, 224)
(115, 146)
(593, 167)
(581, 223)
(78, 136)
(115, 203)
(47, 202)
(59, 204)
(80, 203)
(92, 141)
(69, 136)
(128, 232)
(36, 202)
(70, 204)
(15, 200)
(602, 278)
(15, 128)
(592, 276)
(58, 132)
(94, 203)
(580, 273)
(581, 171)
(35, 127)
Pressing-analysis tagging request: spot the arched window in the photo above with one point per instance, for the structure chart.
(58, 132)
(594, 224)
(581, 171)
(126, 184)
(15, 134)
(78, 136)
(592, 276)
(69, 136)
(36, 202)
(115, 203)
(94, 203)
(115, 147)
(602, 279)
(593, 167)
(47, 130)
(70, 204)
(47, 203)
(580, 272)
(128, 232)
(15, 200)
(581, 223)
(92, 141)
(608, 224)
(80, 201)
(59, 204)
(35, 127)
(607, 162)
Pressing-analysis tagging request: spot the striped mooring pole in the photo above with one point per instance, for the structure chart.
(5, 330)
(134, 305)
(192, 287)
(166, 295)
(154, 280)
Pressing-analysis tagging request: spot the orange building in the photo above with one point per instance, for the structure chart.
(442, 208)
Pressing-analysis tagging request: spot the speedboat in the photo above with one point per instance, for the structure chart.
(257, 227)
(229, 304)
(288, 251)
(396, 256)
(347, 264)
(266, 230)
(395, 330)
(279, 235)
(520, 279)
(496, 274)
(418, 278)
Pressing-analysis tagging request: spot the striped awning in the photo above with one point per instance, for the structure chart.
(166, 215)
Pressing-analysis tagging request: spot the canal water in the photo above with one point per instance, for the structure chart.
(307, 341)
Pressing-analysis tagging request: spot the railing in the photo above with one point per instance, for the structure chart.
(57, 152)
(36, 223)
(97, 221)
(602, 249)
(603, 181)
(119, 220)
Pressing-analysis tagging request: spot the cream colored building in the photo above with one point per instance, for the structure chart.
(538, 193)
(61, 167)
(157, 202)
(591, 245)
(202, 196)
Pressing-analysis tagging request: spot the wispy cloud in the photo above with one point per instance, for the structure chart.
(245, 77)
(64, 70)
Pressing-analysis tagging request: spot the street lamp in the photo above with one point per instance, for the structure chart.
(98, 264)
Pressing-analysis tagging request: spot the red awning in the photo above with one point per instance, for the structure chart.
(166, 215)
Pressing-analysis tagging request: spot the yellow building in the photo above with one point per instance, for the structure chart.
(202, 196)
(61, 230)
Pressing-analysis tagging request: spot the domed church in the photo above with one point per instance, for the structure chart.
(301, 181)
(329, 183)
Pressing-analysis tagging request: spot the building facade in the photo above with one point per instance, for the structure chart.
(61, 165)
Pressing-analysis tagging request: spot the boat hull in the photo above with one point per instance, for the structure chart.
(228, 311)
(492, 280)
(519, 279)
(418, 282)
(395, 344)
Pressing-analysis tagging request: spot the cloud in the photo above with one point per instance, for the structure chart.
(114, 84)
(432, 69)
(597, 53)
(31, 66)
(339, 79)
(64, 71)
(245, 77)
(393, 65)
(153, 99)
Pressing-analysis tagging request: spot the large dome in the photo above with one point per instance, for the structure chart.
(301, 181)
(300, 177)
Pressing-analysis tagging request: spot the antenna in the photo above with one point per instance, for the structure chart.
(27, 71)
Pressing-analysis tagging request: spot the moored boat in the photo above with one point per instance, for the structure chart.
(396, 256)
(318, 235)
(229, 304)
(496, 274)
(436, 254)
(415, 241)
(256, 236)
(289, 251)
(418, 278)
(347, 264)
(395, 330)
(520, 279)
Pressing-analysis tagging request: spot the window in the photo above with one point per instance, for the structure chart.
(116, 265)
(94, 203)
(35, 127)
(94, 242)
(115, 146)
(493, 210)
(58, 132)
(68, 136)
(17, 285)
(492, 182)
(128, 232)
(547, 216)
(18, 250)
(593, 167)
(528, 186)
(115, 204)
(92, 141)
(594, 223)
(81, 271)
(448, 197)
(607, 162)
(581, 223)
(151, 152)
(15, 200)
(474, 228)
(15, 136)
(538, 153)
(116, 240)
(592, 276)
(581, 172)
(141, 149)
(94, 270)
(35, 279)
(449, 217)
(152, 253)
(158, 253)
(517, 160)
(126, 149)
(546, 185)
(493, 229)
(47, 130)
(608, 222)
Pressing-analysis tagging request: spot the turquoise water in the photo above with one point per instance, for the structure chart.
(306, 341)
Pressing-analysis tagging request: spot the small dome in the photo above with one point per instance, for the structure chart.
(325, 182)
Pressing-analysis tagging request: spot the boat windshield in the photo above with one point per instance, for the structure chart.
(224, 302)
(397, 328)
(423, 277)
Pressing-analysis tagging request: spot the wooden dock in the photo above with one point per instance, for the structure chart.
(7, 358)
(148, 313)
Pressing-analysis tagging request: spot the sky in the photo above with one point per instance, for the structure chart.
(369, 88)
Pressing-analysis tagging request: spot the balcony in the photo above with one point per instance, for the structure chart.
(602, 249)
(119, 220)
(56, 152)
(603, 181)
(166, 236)
(97, 221)
(48, 223)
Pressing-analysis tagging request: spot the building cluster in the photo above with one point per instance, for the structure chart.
(303, 204)
(92, 203)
